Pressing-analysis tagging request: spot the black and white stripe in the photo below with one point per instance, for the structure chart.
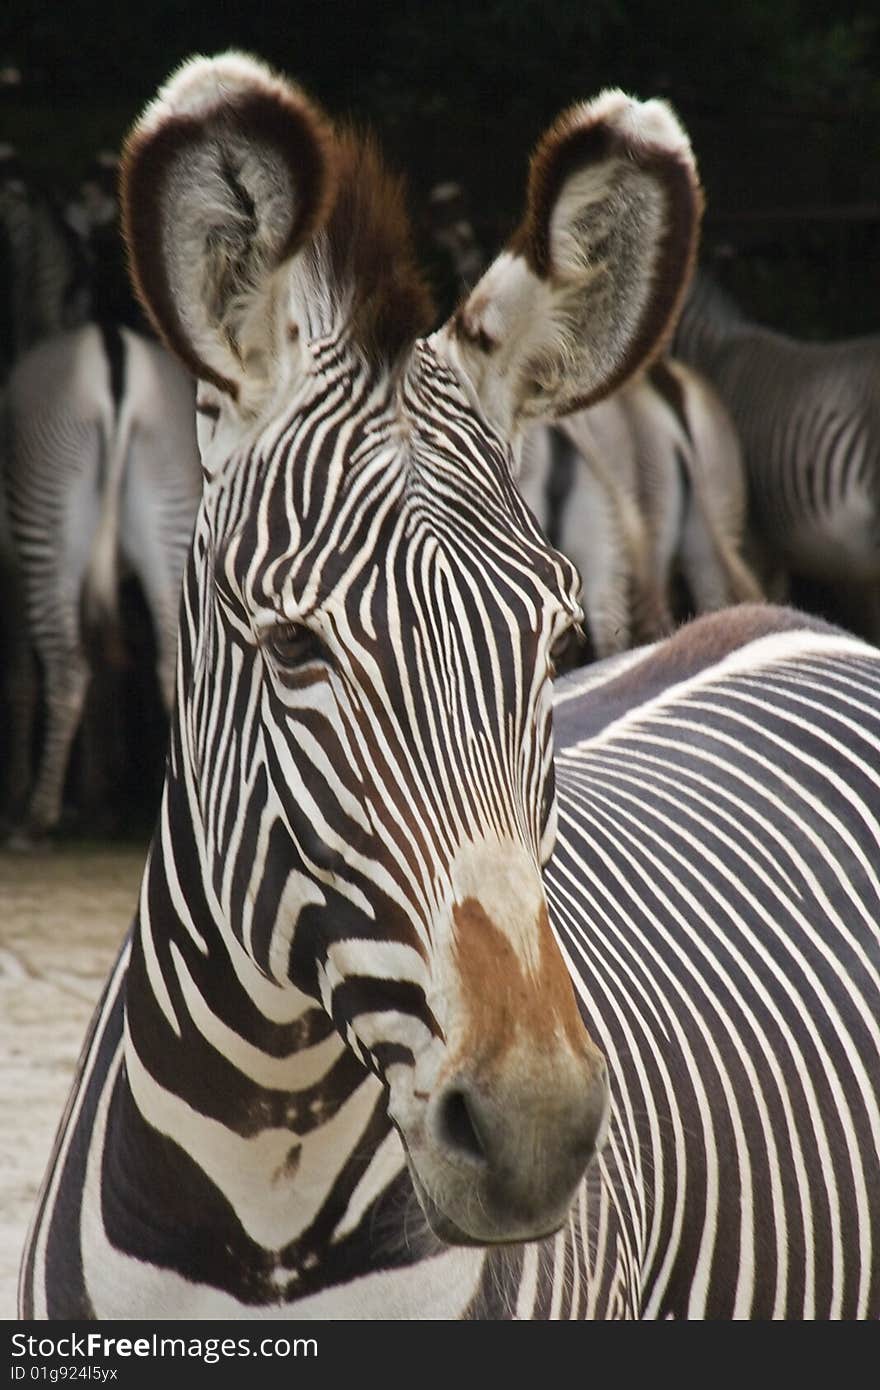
(724, 836)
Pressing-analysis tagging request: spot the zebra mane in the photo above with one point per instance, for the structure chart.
(369, 244)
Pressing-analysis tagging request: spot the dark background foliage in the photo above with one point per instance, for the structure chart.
(782, 99)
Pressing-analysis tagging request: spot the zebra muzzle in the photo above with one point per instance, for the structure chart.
(501, 1159)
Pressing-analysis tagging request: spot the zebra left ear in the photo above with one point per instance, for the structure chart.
(225, 176)
(589, 286)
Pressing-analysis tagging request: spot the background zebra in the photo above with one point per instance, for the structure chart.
(340, 1061)
(645, 492)
(808, 414)
(81, 422)
(101, 475)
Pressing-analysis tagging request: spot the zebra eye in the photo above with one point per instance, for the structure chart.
(292, 645)
(567, 650)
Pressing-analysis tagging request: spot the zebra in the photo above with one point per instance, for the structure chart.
(580, 479)
(808, 414)
(641, 487)
(43, 291)
(415, 1020)
(692, 486)
(102, 465)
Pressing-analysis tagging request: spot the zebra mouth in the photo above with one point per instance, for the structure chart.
(444, 1228)
(441, 1225)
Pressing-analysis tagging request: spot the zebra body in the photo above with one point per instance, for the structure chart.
(808, 415)
(101, 471)
(730, 948)
(346, 1066)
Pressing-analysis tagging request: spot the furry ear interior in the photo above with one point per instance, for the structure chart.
(589, 286)
(228, 172)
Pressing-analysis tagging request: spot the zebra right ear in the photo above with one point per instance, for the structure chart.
(588, 289)
(226, 174)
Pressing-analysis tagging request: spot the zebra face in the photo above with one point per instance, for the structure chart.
(366, 681)
(395, 613)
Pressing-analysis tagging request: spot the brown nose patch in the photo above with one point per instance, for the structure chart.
(504, 998)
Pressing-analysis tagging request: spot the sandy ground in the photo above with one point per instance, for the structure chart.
(63, 913)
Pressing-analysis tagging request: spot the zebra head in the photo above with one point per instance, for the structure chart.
(371, 616)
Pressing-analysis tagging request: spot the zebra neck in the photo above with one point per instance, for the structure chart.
(241, 1093)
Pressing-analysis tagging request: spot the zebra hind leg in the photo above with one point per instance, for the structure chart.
(66, 683)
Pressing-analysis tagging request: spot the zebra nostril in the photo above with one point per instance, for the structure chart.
(457, 1126)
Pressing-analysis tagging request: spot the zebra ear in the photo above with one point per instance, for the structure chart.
(226, 174)
(589, 286)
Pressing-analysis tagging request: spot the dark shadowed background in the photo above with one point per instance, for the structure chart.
(782, 99)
